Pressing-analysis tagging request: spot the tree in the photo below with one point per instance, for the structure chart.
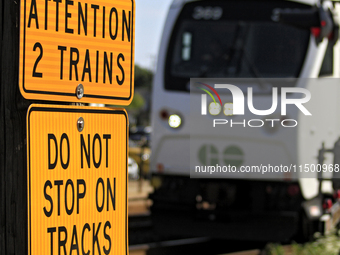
(143, 78)
(137, 102)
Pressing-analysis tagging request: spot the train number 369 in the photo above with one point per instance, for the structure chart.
(207, 13)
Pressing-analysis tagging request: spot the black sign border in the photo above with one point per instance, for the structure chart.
(35, 108)
(72, 96)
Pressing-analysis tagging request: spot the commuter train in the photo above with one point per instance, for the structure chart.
(252, 43)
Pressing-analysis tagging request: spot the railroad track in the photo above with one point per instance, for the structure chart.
(143, 241)
(193, 246)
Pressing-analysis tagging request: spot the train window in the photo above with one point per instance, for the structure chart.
(327, 64)
(232, 40)
(186, 49)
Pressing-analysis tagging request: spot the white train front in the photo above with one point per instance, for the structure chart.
(282, 56)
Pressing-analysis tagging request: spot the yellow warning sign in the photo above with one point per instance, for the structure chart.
(65, 43)
(77, 180)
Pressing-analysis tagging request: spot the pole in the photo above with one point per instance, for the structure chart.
(13, 158)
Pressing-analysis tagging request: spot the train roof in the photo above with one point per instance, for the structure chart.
(309, 2)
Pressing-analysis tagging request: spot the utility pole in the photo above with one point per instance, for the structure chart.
(24, 162)
(13, 158)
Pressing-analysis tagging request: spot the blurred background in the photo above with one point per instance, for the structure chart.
(150, 19)
(171, 213)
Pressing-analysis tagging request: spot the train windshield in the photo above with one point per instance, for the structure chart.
(234, 39)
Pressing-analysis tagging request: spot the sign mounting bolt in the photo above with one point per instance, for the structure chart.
(80, 124)
(80, 91)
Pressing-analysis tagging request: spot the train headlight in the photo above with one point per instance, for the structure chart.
(315, 211)
(175, 121)
(145, 156)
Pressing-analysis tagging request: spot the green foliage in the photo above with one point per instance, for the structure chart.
(137, 102)
(143, 77)
(275, 249)
(329, 245)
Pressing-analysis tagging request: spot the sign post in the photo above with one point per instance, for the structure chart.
(63, 184)
(13, 161)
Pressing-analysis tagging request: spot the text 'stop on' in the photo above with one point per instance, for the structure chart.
(77, 51)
